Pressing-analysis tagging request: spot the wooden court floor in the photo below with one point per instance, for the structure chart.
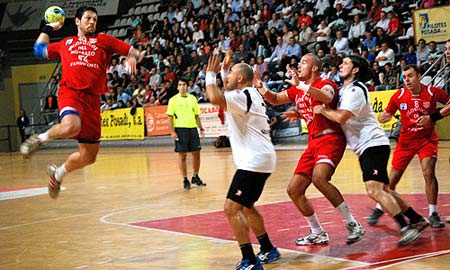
(129, 211)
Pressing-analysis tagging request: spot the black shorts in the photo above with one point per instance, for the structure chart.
(374, 163)
(188, 140)
(246, 187)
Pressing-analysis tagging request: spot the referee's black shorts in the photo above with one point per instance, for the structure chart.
(246, 187)
(188, 140)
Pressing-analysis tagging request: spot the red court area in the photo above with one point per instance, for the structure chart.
(284, 224)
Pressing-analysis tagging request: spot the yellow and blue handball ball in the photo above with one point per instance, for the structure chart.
(54, 14)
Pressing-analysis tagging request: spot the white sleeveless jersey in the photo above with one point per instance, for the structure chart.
(249, 131)
(361, 130)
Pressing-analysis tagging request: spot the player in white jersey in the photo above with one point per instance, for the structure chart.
(253, 154)
(367, 139)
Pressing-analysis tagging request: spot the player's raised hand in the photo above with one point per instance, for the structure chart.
(228, 59)
(213, 63)
(56, 25)
(294, 77)
(257, 82)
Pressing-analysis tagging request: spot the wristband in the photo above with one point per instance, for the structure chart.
(436, 116)
(210, 78)
(47, 29)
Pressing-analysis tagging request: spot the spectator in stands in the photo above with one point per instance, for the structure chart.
(320, 9)
(306, 37)
(293, 49)
(108, 105)
(278, 56)
(332, 58)
(155, 77)
(370, 42)
(322, 36)
(194, 89)
(341, 44)
(51, 103)
(387, 7)
(260, 67)
(275, 22)
(112, 66)
(135, 20)
(388, 78)
(123, 68)
(121, 95)
(356, 32)
(374, 12)
(386, 55)
(334, 75)
(383, 22)
(304, 18)
(410, 55)
(23, 124)
(394, 27)
(433, 50)
(139, 93)
(422, 52)
(265, 15)
(338, 17)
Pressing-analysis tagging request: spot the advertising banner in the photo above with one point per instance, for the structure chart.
(211, 121)
(431, 24)
(119, 124)
(157, 121)
(380, 100)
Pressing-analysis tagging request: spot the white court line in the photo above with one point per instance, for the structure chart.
(403, 260)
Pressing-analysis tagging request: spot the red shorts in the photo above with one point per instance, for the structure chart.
(406, 150)
(324, 149)
(88, 107)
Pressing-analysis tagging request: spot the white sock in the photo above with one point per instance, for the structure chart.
(60, 172)
(345, 211)
(379, 207)
(314, 224)
(432, 208)
(43, 137)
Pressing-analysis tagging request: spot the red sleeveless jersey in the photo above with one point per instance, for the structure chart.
(413, 106)
(85, 60)
(305, 104)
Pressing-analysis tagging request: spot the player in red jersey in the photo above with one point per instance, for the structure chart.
(414, 101)
(84, 60)
(326, 145)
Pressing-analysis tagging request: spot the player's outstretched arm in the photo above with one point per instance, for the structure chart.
(40, 46)
(215, 96)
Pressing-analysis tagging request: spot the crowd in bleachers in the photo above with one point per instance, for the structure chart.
(174, 40)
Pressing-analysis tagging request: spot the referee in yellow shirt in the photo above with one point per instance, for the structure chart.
(184, 112)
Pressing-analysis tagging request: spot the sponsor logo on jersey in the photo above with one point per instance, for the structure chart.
(69, 41)
(403, 106)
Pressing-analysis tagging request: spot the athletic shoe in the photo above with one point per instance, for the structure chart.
(54, 186)
(355, 232)
(436, 221)
(421, 225)
(268, 257)
(373, 218)
(30, 146)
(313, 239)
(186, 184)
(245, 265)
(409, 235)
(196, 180)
